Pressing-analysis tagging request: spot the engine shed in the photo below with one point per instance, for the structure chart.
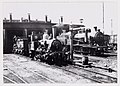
(22, 28)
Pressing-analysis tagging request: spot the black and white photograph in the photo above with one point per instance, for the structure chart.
(71, 42)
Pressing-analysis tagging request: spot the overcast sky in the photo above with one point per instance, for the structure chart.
(92, 13)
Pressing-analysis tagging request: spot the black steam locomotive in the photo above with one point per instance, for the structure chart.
(51, 51)
(96, 45)
(93, 45)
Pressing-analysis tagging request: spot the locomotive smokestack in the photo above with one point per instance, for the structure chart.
(61, 19)
(28, 17)
(46, 19)
(10, 17)
(95, 28)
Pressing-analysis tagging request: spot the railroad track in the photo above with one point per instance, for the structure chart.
(22, 79)
(43, 76)
(71, 72)
(87, 74)
(8, 80)
(93, 76)
(14, 77)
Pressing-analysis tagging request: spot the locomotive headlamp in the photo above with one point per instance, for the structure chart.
(95, 28)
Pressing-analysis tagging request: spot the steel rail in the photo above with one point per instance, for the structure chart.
(110, 77)
(9, 79)
(17, 75)
(72, 73)
(43, 76)
(96, 72)
(33, 73)
(90, 78)
(114, 78)
(94, 80)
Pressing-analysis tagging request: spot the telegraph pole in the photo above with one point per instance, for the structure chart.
(111, 27)
(103, 15)
(112, 37)
(103, 19)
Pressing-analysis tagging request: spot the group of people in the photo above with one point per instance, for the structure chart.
(47, 37)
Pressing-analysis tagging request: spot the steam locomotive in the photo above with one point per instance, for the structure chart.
(51, 51)
(94, 45)
(84, 44)
(57, 49)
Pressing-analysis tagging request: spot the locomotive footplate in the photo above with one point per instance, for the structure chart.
(88, 49)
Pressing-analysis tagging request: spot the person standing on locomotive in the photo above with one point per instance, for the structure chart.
(46, 35)
(64, 36)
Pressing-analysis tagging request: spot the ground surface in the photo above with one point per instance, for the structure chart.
(20, 69)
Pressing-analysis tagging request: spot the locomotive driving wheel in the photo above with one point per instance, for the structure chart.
(57, 59)
(50, 60)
